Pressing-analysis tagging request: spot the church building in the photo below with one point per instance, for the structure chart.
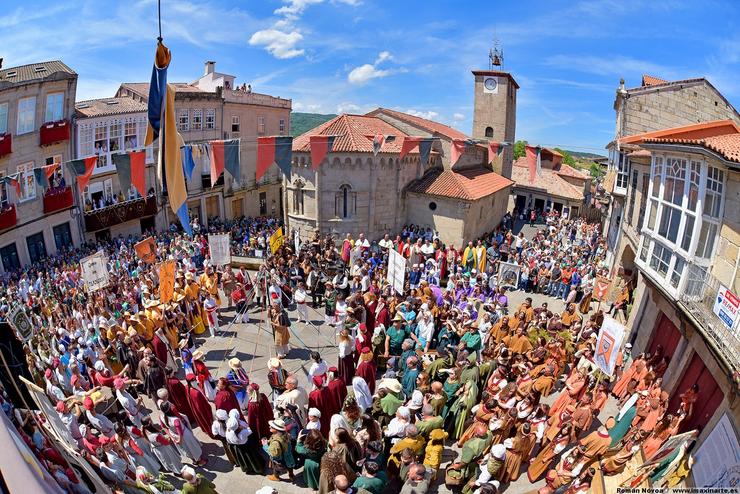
(356, 191)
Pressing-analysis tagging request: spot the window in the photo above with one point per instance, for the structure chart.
(298, 199)
(26, 115)
(633, 193)
(101, 145)
(489, 132)
(432, 205)
(36, 247)
(3, 118)
(54, 107)
(183, 120)
(197, 119)
(210, 119)
(623, 173)
(282, 126)
(713, 198)
(63, 236)
(345, 202)
(670, 218)
(677, 272)
(114, 138)
(707, 237)
(235, 123)
(260, 125)
(130, 137)
(56, 179)
(4, 201)
(86, 140)
(263, 203)
(9, 255)
(661, 259)
(28, 182)
(675, 181)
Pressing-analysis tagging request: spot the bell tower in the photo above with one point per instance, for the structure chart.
(494, 107)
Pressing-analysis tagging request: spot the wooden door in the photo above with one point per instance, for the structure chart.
(710, 395)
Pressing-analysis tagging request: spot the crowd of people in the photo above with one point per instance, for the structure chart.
(443, 367)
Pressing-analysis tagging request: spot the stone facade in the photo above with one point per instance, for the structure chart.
(494, 114)
(45, 232)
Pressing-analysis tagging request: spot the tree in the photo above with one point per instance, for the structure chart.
(520, 149)
(568, 158)
(596, 170)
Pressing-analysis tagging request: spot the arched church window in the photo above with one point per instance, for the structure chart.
(298, 198)
(489, 131)
(345, 202)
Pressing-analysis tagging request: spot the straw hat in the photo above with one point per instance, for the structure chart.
(235, 363)
(198, 355)
(277, 424)
(273, 363)
(390, 384)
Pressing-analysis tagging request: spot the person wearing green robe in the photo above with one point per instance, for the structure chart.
(370, 481)
(470, 341)
(460, 410)
(408, 346)
(624, 421)
(450, 387)
(429, 421)
(472, 451)
(408, 381)
(390, 403)
(394, 337)
(311, 446)
(443, 361)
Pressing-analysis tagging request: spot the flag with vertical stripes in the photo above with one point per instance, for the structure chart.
(320, 147)
(83, 170)
(131, 168)
(224, 155)
(274, 150)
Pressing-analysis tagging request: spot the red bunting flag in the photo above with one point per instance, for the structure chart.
(138, 167)
(533, 156)
(320, 146)
(409, 144)
(274, 150)
(217, 160)
(14, 182)
(494, 149)
(50, 169)
(83, 169)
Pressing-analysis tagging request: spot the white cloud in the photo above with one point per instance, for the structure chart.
(618, 66)
(348, 108)
(428, 114)
(278, 43)
(458, 117)
(364, 73)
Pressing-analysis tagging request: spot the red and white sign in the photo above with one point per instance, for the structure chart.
(601, 286)
(727, 306)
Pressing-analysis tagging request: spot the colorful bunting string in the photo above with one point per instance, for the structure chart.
(320, 147)
(458, 148)
(494, 149)
(424, 144)
(83, 169)
(131, 168)
(379, 140)
(224, 155)
(277, 150)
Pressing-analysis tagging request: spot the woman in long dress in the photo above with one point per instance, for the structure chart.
(541, 462)
(346, 363)
(164, 449)
(180, 432)
(311, 446)
(136, 455)
(243, 445)
(280, 324)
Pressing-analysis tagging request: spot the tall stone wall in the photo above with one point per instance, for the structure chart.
(725, 266)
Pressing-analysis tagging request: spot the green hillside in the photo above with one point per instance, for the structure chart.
(303, 122)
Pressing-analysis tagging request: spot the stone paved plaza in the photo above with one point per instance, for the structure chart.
(252, 344)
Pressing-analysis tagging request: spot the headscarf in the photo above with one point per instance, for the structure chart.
(362, 393)
(337, 421)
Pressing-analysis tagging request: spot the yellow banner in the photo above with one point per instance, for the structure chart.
(276, 240)
(166, 281)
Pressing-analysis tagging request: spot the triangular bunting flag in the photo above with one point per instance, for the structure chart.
(40, 177)
(378, 140)
(533, 157)
(425, 148)
(14, 181)
(494, 149)
(320, 146)
(408, 145)
(83, 169)
(217, 160)
(188, 161)
(274, 150)
(225, 155)
(131, 169)
(458, 149)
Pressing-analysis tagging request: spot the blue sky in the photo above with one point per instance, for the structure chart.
(334, 56)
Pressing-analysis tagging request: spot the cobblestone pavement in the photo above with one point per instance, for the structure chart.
(252, 344)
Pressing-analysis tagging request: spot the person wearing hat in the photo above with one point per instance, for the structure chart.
(279, 450)
(276, 375)
(239, 381)
(69, 419)
(294, 395)
(97, 420)
(134, 408)
(367, 368)
(208, 281)
(196, 483)
(314, 419)
(280, 323)
(210, 306)
(395, 336)
(244, 445)
(319, 399)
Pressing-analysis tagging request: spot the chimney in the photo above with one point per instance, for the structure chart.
(210, 67)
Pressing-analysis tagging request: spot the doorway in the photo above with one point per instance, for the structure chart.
(36, 247)
(520, 203)
(102, 236)
(710, 395)
(9, 256)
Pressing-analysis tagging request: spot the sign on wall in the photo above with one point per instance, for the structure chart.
(727, 306)
(396, 270)
(95, 271)
(601, 288)
(219, 247)
(608, 344)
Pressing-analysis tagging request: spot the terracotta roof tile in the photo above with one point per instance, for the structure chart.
(108, 106)
(33, 72)
(351, 132)
(648, 80)
(428, 125)
(469, 184)
(142, 88)
(549, 181)
(694, 131)
(569, 171)
(726, 145)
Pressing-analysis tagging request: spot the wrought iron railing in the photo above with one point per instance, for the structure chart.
(698, 299)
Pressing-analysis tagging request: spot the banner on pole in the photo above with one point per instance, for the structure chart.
(276, 240)
(147, 250)
(220, 249)
(95, 271)
(19, 320)
(166, 281)
(396, 270)
(508, 274)
(608, 344)
(601, 287)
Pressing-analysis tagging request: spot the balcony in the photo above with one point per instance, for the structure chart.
(57, 199)
(8, 218)
(54, 132)
(698, 300)
(6, 146)
(107, 217)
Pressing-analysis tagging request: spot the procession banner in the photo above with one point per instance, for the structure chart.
(219, 246)
(508, 274)
(276, 240)
(717, 462)
(641, 473)
(608, 344)
(19, 320)
(396, 270)
(95, 271)
(147, 250)
(601, 287)
(166, 281)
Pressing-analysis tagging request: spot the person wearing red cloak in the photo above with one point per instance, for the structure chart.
(200, 405)
(337, 391)
(225, 397)
(178, 395)
(259, 412)
(441, 258)
(320, 398)
(367, 368)
(161, 348)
